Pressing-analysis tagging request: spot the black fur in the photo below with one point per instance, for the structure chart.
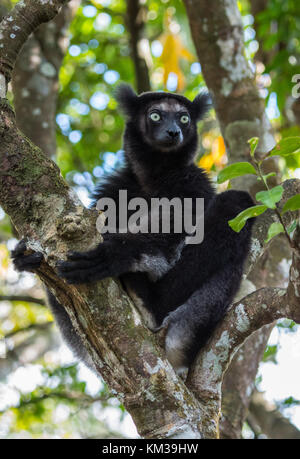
(185, 287)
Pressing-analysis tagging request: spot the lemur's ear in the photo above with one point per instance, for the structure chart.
(127, 98)
(201, 104)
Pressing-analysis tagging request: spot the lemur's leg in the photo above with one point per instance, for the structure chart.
(31, 262)
(192, 324)
(220, 249)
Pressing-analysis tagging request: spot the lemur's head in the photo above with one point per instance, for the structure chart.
(166, 122)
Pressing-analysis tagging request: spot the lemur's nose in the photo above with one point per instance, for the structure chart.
(173, 133)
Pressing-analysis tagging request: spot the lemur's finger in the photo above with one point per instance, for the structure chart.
(19, 249)
(28, 262)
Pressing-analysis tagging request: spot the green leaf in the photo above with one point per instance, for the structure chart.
(291, 401)
(270, 353)
(292, 227)
(292, 204)
(240, 220)
(265, 177)
(253, 142)
(286, 323)
(274, 229)
(270, 197)
(287, 146)
(271, 174)
(236, 170)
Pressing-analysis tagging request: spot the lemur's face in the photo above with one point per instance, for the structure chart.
(166, 124)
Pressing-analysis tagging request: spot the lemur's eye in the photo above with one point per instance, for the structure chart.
(184, 119)
(155, 116)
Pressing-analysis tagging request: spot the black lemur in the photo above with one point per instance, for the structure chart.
(185, 287)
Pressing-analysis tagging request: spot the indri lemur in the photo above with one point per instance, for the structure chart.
(187, 288)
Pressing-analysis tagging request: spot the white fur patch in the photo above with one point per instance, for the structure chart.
(155, 266)
(168, 106)
(175, 345)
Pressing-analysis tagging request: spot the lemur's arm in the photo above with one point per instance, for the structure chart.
(122, 253)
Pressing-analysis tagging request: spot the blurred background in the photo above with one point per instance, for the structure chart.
(44, 393)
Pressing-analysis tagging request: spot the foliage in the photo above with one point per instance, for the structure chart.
(270, 354)
(278, 30)
(269, 198)
(63, 404)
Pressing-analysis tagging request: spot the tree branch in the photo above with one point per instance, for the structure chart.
(32, 327)
(16, 27)
(21, 298)
(251, 313)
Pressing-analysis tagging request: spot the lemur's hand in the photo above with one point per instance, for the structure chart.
(23, 261)
(93, 265)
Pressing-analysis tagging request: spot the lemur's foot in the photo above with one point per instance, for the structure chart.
(23, 260)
